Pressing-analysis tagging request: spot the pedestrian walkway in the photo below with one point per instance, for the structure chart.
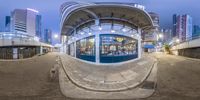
(89, 81)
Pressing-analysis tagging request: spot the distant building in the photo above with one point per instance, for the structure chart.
(39, 26)
(167, 35)
(174, 25)
(48, 36)
(24, 20)
(196, 31)
(183, 26)
(7, 24)
(150, 38)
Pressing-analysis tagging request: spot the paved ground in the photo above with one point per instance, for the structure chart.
(111, 77)
(178, 79)
(29, 79)
(123, 81)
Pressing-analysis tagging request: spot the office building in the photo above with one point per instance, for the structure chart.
(48, 36)
(39, 26)
(196, 31)
(24, 20)
(167, 35)
(150, 38)
(183, 26)
(7, 24)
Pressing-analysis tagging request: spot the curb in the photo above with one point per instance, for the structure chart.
(114, 90)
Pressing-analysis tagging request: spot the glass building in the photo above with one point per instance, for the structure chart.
(103, 32)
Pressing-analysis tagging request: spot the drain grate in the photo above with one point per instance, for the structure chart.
(148, 85)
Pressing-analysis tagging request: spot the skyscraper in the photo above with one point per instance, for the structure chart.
(183, 26)
(48, 36)
(38, 26)
(174, 25)
(7, 23)
(196, 31)
(24, 20)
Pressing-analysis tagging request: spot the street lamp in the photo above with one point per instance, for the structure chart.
(56, 36)
(160, 35)
(177, 40)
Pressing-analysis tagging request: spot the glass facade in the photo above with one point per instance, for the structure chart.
(85, 49)
(117, 48)
(112, 48)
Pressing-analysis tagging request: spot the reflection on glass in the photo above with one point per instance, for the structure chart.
(116, 45)
(86, 46)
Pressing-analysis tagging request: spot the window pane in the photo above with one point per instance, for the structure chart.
(86, 49)
(116, 48)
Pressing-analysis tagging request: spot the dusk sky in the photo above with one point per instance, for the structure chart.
(49, 9)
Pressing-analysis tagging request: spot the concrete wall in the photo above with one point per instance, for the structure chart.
(189, 49)
(190, 52)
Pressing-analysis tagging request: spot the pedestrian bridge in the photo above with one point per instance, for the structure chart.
(20, 39)
(15, 45)
(189, 48)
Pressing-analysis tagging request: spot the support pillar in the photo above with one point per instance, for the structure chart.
(75, 49)
(97, 44)
(41, 50)
(139, 44)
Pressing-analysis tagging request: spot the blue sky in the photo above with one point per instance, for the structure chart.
(49, 9)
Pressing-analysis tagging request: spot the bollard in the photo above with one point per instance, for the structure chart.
(53, 73)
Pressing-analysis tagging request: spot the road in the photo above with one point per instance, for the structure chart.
(29, 79)
(178, 78)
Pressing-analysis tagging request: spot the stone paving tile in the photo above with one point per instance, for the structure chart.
(72, 91)
(104, 77)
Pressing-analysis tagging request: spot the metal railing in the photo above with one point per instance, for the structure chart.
(186, 40)
(19, 38)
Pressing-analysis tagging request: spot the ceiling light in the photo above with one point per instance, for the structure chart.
(100, 28)
(82, 33)
(124, 30)
(112, 31)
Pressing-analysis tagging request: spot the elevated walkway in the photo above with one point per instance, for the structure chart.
(20, 39)
(193, 43)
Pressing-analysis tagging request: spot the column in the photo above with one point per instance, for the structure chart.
(41, 49)
(75, 48)
(97, 43)
(139, 43)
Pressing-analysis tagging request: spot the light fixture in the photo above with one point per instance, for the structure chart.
(100, 28)
(33, 10)
(160, 35)
(112, 31)
(89, 33)
(177, 40)
(132, 35)
(56, 36)
(82, 33)
(124, 30)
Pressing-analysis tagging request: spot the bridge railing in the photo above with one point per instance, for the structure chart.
(18, 38)
(186, 40)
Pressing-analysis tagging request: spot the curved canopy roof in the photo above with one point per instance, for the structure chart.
(76, 14)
